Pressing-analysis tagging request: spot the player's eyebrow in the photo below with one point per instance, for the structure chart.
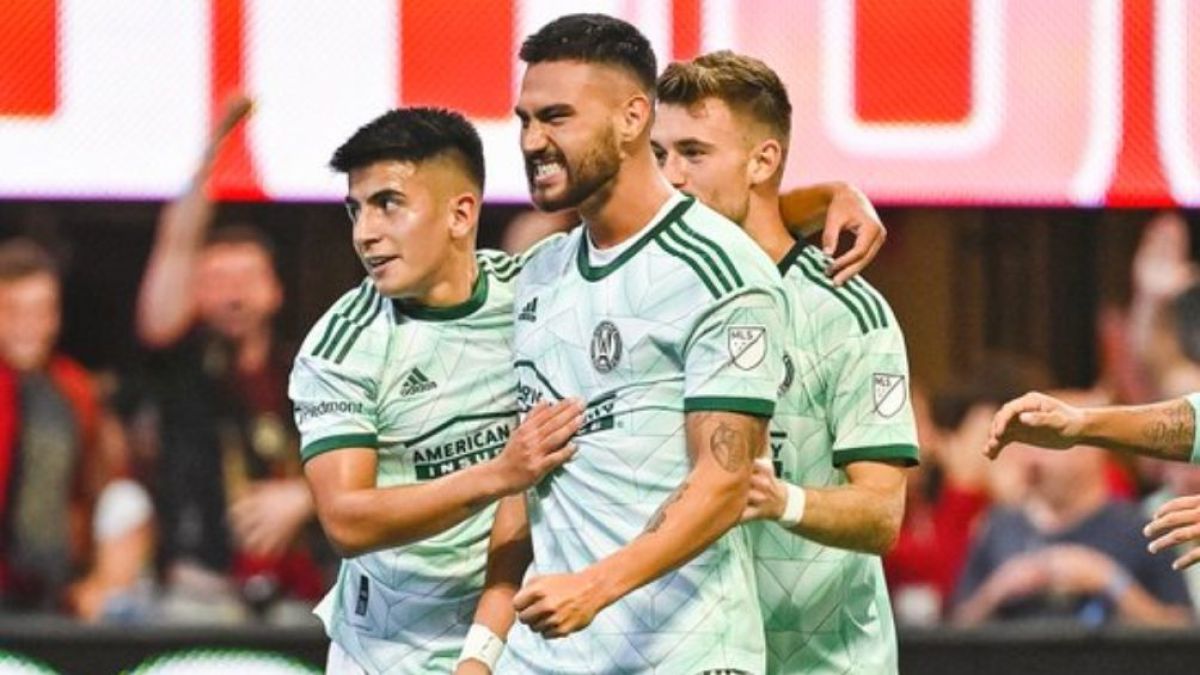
(380, 196)
(685, 144)
(545, 112)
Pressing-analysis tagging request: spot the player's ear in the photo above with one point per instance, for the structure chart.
(766, 160)
(464, 214)
(636, 117)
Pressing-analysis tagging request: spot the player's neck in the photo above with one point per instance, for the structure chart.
(635, 194)
(764, 224)
(454, 283)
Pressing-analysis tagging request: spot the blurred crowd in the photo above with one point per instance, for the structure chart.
(1056, 537)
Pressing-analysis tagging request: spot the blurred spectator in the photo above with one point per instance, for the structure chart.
(953, 486)
(1067, 552)
(1157, 337)
(228, 486)
(55, 461)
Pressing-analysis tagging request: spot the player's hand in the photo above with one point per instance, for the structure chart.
(959, 456)
(268, 518)
(768, 495)
(540, 443)
(1174, 523)
(851, 211)
(1036, 419)
(559, 604)
(472, 667)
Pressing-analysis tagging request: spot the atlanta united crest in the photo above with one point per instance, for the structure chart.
(888, 393)
(606, 347)
(747, 346)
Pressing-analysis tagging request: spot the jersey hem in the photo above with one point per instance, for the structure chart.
(905, 452)
(759, 407)
(338, 443)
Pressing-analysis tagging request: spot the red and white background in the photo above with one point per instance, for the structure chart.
(1061, 102)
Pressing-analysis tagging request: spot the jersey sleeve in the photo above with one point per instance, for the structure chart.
(732, 359)
(870, 409)
(333, 390)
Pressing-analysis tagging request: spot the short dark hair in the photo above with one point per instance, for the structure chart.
(594, 38)
(744, 83)
(22, 258)
(414, 135)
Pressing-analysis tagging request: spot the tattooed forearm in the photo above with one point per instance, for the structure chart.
(1172, 430)
(731, 448)
(660, 515)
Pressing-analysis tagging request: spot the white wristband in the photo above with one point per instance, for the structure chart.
(482, 645)
(793, 510)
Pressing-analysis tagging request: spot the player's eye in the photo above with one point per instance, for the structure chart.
(660, 155)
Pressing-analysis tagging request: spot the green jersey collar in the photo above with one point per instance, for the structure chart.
(479, 296)
(597, 273)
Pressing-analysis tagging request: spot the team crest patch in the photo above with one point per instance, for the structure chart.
(747, 346)
(606, 347)
(888, 393)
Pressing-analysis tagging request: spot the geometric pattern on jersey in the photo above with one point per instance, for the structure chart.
(687, 318)
(844, 399)
(432, 390)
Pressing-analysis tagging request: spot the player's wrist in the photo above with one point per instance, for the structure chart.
(482, 645)
(496, 479)
(794, 504)
(606, 582)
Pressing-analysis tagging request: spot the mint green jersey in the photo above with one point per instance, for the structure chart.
(844, 398)
(686, 318)
(432, 391)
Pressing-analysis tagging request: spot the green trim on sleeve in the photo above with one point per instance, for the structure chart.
(1194, 400)
(759, 407)
(905, 452)
(338, 443)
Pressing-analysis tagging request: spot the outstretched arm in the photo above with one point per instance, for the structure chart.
(836, 207)
(707, 503)
(1165, 430)
(510, 552)
(862, 515)
(359, 517)
(165, 305)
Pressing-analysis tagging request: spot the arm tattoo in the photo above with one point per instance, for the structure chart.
(730, 447)
(660, 515)
(1172, 430)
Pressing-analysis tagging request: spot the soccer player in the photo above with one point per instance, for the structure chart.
(843, 430)
(404, 395)
(1163, 430)
(666, 318)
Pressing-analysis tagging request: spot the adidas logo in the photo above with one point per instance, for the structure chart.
(416, 383)
(528, 312)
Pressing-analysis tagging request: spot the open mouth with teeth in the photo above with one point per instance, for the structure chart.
(546, 172)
